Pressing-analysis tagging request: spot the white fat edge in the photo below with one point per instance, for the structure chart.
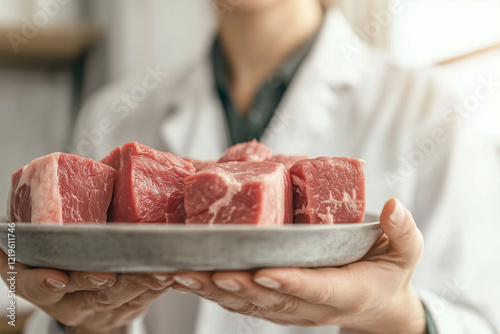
(45, 195)
(277, 213)
(297, 181)
(12, 192)
(233, 188)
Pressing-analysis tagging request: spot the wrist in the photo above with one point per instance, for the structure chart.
(402, 314)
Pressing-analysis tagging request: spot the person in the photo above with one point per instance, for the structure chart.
(278, 71)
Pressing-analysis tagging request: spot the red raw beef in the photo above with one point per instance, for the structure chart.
(61, 188)
(288, 160)
(200, 164)
(249, 151)
(329, 191)
(149, 187)
(257, 193)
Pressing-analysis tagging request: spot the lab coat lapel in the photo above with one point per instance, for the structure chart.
(312, 106)
(195, 126)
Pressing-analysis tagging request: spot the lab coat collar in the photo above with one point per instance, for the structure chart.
(337, 57)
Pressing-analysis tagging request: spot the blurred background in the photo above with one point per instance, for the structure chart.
(55, 53)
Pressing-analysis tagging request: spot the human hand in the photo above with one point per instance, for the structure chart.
(373, 295)
(86, 302)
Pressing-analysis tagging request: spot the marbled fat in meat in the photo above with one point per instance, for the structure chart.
(329, 191)
(257, 193)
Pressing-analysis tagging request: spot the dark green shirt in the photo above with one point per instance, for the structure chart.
(244, 128)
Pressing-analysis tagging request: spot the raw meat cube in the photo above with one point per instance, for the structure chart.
(288, 160)
(257, 193)
(329, 191)
(61, 188)
(199, 164)
(149, 187)
(249, 151)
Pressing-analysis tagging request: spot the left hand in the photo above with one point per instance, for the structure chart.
(373, 295)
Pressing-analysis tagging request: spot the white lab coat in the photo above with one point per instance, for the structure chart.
(359, 106)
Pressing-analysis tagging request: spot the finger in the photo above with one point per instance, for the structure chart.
(126, 288)
(143, 300)
(405, 239)
(89, 281)
(39, 286)
(201, 284)
(336, 287)
(76, 308)
(123, 315)
(273, 303)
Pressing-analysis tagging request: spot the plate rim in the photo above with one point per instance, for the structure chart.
(130, 227)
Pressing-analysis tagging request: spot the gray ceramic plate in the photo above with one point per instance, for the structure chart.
(147, 248)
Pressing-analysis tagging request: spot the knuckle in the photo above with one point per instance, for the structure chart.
(249, 309)
(321, 296)
(360, 306)
(286, 305)
(99, 301)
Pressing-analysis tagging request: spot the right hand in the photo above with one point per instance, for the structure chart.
(89, 303)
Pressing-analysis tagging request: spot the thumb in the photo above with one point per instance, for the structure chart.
(405, 239)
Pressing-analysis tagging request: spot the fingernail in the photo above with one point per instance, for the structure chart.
(161, 277)
(189, 282)
(97, 281)
(55, 284)
(398, 215)
(268, 283)
(181, 290)
(228, 284)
